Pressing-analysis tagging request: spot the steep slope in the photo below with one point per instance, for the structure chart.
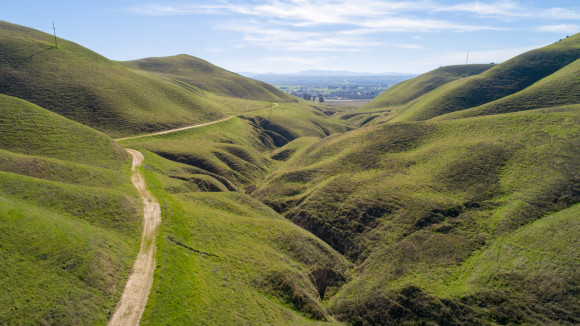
(234, 154)
(202, 74)
(402, 93)
(560, 88)
(69, 219)
(500, 81)
(410, 203)
(86, 87)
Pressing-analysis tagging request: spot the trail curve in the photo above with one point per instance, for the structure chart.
(190, 127)
(132, 304)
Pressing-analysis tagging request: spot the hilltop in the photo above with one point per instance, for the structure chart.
(108, 96)
(439, 92)
(202, 74)
(451, 199)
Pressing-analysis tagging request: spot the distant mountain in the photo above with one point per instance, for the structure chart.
(324, 73)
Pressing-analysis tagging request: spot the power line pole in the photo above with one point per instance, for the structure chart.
(55, 41)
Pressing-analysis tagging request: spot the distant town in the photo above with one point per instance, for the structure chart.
(323, 86)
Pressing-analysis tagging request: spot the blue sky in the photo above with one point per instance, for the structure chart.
(295, 35)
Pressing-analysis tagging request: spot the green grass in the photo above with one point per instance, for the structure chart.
(69, 219)
(116, 100)
(558, 89)
(202, 74)
(225, 258)
(235, 153)
(395, 98)
(411, 202)
(500, 81)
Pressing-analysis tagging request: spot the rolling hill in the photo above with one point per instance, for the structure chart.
(106, 95)
(474, 86)
(202, 74)
(69, 219)
(457, 205)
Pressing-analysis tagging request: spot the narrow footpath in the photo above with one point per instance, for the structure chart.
(190, 127)
(132, 304)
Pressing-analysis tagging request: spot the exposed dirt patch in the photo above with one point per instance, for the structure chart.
(132, 304)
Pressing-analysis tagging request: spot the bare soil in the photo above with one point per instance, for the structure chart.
(132, 304)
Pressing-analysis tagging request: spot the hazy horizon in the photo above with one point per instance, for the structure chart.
(289, 36)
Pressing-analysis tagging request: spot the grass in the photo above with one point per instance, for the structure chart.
(202, 74)
(225, 258)
(286, 215)
(235, 153)
(500, 81)
(69, 219)
(411, 202)
(116, 100)
(398, 96)
(557, 89)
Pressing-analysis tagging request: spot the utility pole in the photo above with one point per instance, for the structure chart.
(55, 41)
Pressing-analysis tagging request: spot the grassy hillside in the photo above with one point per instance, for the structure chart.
(69, 219)
(226, 259)
(500, 81)
(410, 203)
(235, 154)
(86, 87)
(560, 88)
(202, 74)
(398, 96)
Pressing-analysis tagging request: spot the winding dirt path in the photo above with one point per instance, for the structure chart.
(132, 303)
(191, 127)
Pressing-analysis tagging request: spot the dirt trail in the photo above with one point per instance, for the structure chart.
(132, 303)
(191, 127)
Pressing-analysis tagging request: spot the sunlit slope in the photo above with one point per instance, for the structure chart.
(560, 88)
(412, 202)
(227, 259)
(396, 97)
(200, 73)
(500, 81)
(86, 87)
(234, 154)
(69, 219)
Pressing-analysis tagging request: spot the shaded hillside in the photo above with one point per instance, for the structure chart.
(199, 73)
(410, 203)
(405, 92)
(86, 87)
(69, 219)
(234, 154)
(560, 88)
(500, 81)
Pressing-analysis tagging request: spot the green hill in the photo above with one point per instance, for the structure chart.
(410, 203)
(69, 219)
(398, 96)
(456, 206)
(202, 74)
(560, 88)
(86, 87)
(500, 81)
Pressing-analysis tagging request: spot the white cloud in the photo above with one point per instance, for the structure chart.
(563, 28)
(501, 8)
(561, 13)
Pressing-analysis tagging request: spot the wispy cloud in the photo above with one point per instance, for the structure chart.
(347, 25)
(500, 8)
(563, 28)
